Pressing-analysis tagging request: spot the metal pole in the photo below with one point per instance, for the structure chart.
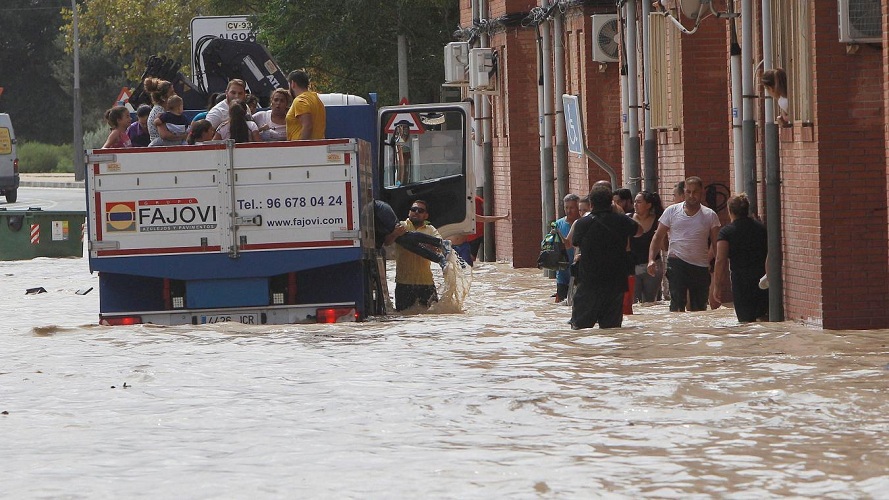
(547, 173)
(737, 125)
(748, 125)
(773, 181)
(483, 106)
(402, 68)
(558, 90)
(633, 168)
(79, 172)
(650, 143)
(735, 72)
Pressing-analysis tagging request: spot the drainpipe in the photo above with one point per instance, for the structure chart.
(650, 142)
(737, 134)
(558, 90)
(748, 125)
(624, 111)
(545, 104)
(633, 166)
(773, 181)
(483, 107)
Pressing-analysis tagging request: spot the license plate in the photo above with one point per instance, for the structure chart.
(245, 318)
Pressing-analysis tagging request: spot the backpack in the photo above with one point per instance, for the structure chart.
(552, 251)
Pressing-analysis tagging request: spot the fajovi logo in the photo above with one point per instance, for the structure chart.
(179, 214)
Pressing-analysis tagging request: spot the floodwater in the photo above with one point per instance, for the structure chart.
(501, 401)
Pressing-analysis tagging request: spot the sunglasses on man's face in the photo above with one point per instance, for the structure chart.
(419, 210)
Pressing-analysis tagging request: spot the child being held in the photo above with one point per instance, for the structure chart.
(175, 122)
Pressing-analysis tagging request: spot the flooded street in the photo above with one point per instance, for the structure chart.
(503, 401)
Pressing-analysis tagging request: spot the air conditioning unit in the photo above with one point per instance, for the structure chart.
(482, 69)
(456, 57)
(860, 21)
(605, 38)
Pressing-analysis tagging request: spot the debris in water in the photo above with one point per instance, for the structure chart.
(35, 291)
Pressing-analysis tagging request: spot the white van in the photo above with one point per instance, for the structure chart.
(9, 161)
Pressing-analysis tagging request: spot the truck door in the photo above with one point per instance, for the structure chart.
(425, 154)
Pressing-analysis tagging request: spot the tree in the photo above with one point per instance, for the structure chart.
(28, 30)
(137, 30)
(350, 46)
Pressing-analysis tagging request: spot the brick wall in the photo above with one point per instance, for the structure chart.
(517, 151)
(850, 137)
(835, 172)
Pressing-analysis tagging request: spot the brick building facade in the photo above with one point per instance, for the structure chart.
(834, 165)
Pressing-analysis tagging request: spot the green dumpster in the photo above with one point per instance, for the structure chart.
(26, 234)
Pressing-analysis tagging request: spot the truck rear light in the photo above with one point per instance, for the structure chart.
(178, 302)
(336, 315)
(121, 320)
(278, 298)
(15, 166)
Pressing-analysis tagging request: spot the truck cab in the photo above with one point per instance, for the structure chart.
(425, 153)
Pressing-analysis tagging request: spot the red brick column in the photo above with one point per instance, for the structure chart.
(852, 193)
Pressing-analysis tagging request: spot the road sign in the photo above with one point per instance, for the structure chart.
(123, 99)
(410, 119)
(228, 27)
(573, 124)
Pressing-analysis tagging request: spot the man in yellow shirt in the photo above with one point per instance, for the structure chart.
(413, 274)
(307, 118)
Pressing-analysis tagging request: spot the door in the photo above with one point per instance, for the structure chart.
(425, 154)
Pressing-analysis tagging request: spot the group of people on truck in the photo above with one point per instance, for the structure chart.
(296, 113)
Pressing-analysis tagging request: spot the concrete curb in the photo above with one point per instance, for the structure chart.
(52, 184)
(49, 180)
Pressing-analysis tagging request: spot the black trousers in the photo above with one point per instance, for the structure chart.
(750, 302)
(408, 295)
(685, 278)
(593, 306)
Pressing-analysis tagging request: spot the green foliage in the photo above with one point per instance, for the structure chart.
(37, 157)
(96, 137)
(351, 46)
(137, 30)
(31, 96)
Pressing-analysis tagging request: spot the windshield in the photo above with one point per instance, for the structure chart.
(422, 146)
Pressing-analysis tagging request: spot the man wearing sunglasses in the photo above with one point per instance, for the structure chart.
(413, 274)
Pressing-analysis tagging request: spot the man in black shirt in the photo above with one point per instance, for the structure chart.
(601, 239)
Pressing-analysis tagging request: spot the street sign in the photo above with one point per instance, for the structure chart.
(573, 124)
(228, 27)
(409, 119)
(123, 99)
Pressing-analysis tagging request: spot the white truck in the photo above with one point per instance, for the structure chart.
(270, 233)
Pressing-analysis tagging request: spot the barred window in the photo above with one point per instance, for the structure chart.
(666, 88)
(792, 50)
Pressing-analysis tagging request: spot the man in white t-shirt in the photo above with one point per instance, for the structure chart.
(235, 91)
(692, 230)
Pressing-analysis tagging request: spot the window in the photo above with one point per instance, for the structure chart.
(666, 88)
(791, 50)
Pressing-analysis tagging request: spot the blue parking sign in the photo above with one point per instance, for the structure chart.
(573, 123)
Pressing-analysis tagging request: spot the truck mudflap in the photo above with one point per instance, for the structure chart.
(266, 315)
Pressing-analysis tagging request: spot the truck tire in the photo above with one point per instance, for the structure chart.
(12, 195)
(374, 303)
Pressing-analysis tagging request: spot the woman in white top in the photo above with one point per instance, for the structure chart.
(237, 126)
(775, 83)
(273, 123)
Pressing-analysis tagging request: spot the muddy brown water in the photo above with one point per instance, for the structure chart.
(500, 401)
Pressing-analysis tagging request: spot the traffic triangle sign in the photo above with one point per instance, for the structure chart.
(409, 119)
